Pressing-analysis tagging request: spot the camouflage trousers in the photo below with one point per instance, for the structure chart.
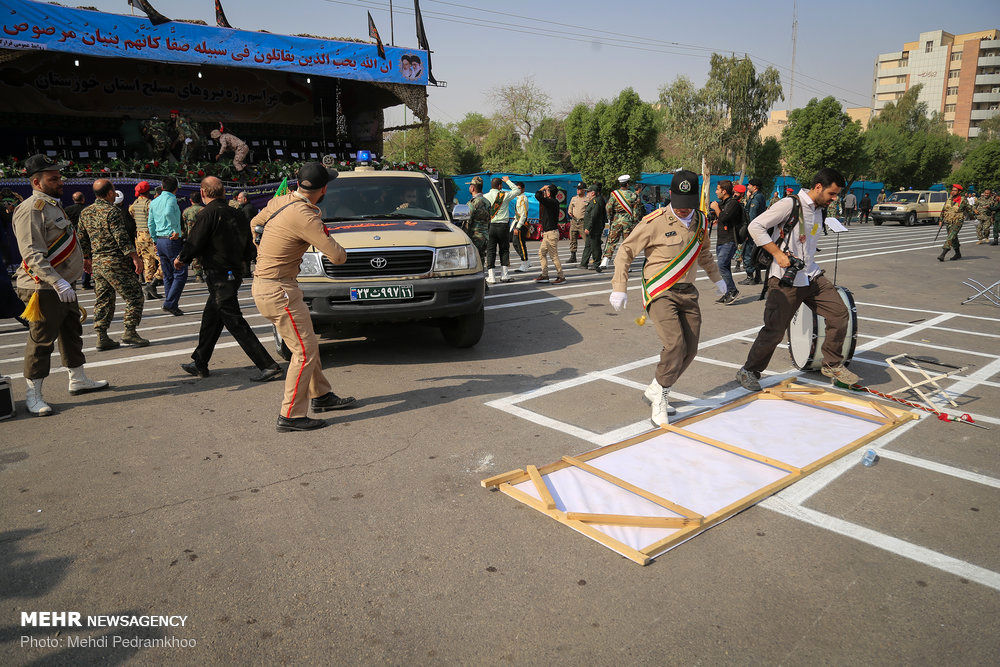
(575, 234)
(150, 260)
(190, 150)
(160, 145)
(480, 239)
(983, 229)
(116, 274)
(240, 159)
(952, 240)
(619, 231)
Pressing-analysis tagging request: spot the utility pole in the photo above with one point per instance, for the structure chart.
(392, 31)
(795, 39)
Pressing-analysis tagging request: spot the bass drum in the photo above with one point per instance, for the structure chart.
(807, 331)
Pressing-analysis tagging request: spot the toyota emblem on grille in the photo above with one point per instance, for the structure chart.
(378, 262)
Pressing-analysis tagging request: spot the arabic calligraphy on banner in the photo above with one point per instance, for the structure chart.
(47, 84)
(38, 26)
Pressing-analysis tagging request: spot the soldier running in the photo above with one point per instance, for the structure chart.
(624, 211)
(139, 209)
(955, 212)
(108, 246)
(230, 142)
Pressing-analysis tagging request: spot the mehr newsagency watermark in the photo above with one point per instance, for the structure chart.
(139, 625)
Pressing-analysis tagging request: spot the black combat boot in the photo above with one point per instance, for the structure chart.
(104, 342)
(958, 255)
(943, 253)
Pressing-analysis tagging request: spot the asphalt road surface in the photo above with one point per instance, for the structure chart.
(372, 541)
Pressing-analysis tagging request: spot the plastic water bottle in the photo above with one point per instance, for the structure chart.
(869, 459)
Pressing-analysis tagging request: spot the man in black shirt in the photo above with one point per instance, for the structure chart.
(221, 240)
(548, 217)
(249, 210)
(730, 217)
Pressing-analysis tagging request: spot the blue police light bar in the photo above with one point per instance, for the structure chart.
(364, 156)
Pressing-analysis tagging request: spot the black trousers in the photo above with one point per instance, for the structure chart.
(223, 310)
(591, 249)
(520, 238)
(499, 235)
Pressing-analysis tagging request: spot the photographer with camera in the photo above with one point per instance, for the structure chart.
(794, 278)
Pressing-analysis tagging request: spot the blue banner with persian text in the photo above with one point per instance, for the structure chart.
(44, 27)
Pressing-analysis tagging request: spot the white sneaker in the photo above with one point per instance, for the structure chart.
(79, 383)
(525, 266)
(659, 415)
(33, 399)
(491, 278)
(504, 274)
(652, 391)
(604, 262)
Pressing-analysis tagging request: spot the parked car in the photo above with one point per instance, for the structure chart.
(908, 207)
(406, 261)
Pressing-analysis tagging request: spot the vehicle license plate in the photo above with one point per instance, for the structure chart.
(381, 292)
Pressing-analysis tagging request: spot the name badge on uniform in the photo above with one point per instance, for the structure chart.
(669, 234)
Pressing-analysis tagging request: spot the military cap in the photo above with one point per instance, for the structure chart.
(684, 189)
(141, 187)
(581, 186)
(594, 188)
(313, 176)
(477, 180)
(624, 178)
(37, 163)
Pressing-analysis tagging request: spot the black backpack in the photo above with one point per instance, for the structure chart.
(762, 258)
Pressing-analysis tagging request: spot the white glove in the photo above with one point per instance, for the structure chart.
(721, 287)
(188, 140)
(65, 291)
(619, 300)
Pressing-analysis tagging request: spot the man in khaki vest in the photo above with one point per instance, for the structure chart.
(283, 232)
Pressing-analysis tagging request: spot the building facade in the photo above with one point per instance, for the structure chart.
(960, 76)
(778, 119)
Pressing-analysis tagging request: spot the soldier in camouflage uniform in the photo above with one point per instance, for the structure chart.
(624, 211)
(187, 136)
(984, 215)
(479, 217)
(187, 221)
(116, 265)
(144, 242)
(159, 138)
(955, 212)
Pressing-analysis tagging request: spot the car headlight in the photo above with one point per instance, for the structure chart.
(311, 266)
(456, 258)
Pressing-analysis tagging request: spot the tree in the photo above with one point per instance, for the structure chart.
(501, 148)
(821, 135)
(693, 126)
(474, 128)
(612, 138)
(907, 148)
(981, 166)
(765, 162)
(448, 151)
(745, 99)
(523, 105)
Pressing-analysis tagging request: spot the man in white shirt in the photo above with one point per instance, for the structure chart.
(519, 229)
(797, 240)
(499, 230)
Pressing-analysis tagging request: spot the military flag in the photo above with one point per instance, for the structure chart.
(373, 33)
(155, 17)
(422, 40)
(220, 16)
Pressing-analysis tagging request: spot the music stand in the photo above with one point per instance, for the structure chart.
(931, 380)
(837, 228)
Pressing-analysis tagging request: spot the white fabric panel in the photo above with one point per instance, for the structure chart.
(576, 490)
(696, 476)
(790, 432)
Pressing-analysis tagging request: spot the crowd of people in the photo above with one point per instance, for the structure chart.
(130, 252)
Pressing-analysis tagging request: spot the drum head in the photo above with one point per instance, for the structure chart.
(802, 338)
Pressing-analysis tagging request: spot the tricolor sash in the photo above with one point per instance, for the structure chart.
(57, 253)
(621, 202)
(678, 266)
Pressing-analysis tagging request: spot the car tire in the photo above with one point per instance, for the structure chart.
(279, 345)
(911, 219)
(877, 222)
(465, 330)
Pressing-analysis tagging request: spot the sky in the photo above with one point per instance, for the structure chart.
(589, 50)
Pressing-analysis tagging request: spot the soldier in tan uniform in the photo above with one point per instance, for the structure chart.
(576, 210)
(52, 261)
(673, 239)
(230, 142)
(144, 242)
(283, 231)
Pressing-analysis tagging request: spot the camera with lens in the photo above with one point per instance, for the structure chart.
(258, 234)
(788, 277)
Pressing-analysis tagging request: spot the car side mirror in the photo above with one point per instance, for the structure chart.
(460, 212)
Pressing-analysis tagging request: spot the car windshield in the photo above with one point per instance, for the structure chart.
(904, 197)
(380, 197)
